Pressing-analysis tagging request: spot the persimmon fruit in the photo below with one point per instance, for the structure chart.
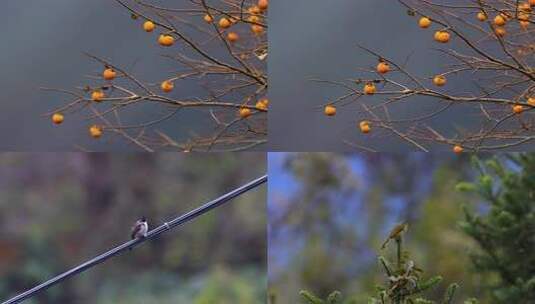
(232, 37)
(57, 118)
(517, 109)
(263, 4)
(523, 16)
(167, 86)
(148, 26)
(442, 36)
(257, 29)
(254, 19)
(329, 110)
(208, 19)
(424, 22)
(95, 131)
(481, 16)
(500, 31)
(365, 127)
(244, 112)
(439, 80)
(166, 40)
(499, 20)
(262, 104)
(224, 23)
(524, 7)
(457, 149)
(369, 88)
(383, 67)
(109, 74)
(97, 95)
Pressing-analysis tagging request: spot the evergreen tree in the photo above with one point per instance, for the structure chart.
(505, 231)
(404, 282)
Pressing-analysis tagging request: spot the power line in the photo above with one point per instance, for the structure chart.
(133, 243)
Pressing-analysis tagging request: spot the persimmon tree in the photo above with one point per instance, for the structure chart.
(487, 43)
(219, 44)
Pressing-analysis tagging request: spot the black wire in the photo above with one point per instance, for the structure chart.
(130, 244)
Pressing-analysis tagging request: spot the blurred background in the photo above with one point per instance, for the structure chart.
(58, 210)
(329, 214)
(316, 39)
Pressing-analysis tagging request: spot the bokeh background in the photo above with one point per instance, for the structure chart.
(316, 39)
(45, 46)
(58, 210)
(329, 214)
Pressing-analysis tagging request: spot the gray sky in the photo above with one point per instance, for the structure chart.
(42, 46)
(318, 39)
(308, 39)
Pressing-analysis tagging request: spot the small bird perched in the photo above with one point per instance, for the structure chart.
(396, 233)
(140, 229)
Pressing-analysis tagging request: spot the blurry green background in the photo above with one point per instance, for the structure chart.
(329, 213)
(58, 210)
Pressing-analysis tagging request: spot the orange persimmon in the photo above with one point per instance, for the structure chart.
(57, 118)
(109, 74)
(244, 112)
(97, 95)
(167, 86)
(263, 4)
(329, 110)
(224, 23)
(95, 131)
(457, 149)
(517, 109)
(369, 88)
(208, 19)
(424, 22)
(262, 104)
(257, 29)
(499, 20)
(166, 40)
(442, 36)
(500, 31)
(232, 37)
(365, 127)
(439, 80)
(383, 67)
(148, 26)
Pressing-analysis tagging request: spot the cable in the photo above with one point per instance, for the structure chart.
(133, 243)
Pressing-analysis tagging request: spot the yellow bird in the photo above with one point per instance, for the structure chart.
(395, 233)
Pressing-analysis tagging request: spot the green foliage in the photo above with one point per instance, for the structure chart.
(51, 202)
(404, 284)
(222, 286)
(505, 232)
(437, 242)
(450, 292)
(334, 298)
(326, 228)
(312, 299)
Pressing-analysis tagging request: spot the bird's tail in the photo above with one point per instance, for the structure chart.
(385, 243)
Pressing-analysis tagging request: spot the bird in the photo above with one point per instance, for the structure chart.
(140, 229)
(396, 233)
